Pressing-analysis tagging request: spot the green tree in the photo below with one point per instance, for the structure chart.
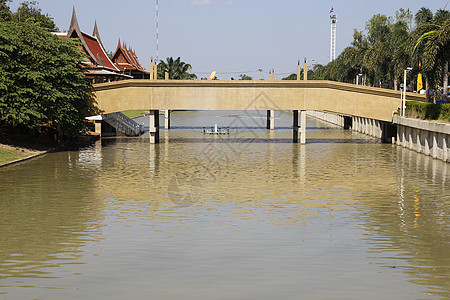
(5, 13)
(245, 77)
(399, 38)
(390, 45)
(292, 76)
(378, 57)
(434, 48)
(316, 73)
(29, 12)
(41, 79)
(404, 16)
(424, 23)
(423, 16)
(441, 16)
(177, 69)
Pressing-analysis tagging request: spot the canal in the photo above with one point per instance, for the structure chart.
(248, 215)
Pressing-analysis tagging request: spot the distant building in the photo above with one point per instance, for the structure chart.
(128, 62)
(101, 68)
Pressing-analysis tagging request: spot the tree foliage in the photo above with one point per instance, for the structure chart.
(389, 45)
(5, 13)
(423, 16)
(434, 46)
(292, 76)
(245, 77)
(28, 12)
(176, 68)
(41, 79)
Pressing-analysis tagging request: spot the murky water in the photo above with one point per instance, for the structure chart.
(244, 216)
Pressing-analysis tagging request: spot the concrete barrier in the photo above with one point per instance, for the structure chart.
(429, 138)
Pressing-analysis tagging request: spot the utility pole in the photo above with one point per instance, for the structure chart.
(157, 32)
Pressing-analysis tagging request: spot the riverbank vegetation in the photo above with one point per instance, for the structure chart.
(10, 153)
(42, 84)
(379, 54)
(7, 155)
(428, 111)
(135, 113)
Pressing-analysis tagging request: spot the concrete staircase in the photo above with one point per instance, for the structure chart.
(124, 124)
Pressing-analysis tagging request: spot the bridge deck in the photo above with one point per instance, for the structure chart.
(335, 97)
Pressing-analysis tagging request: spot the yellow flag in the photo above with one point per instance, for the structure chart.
(419, 82)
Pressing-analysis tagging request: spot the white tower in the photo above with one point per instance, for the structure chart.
(333, 19)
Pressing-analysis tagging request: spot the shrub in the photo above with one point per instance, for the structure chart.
(428, 111)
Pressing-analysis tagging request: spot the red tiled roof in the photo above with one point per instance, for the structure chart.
(127, 59)
(97, 50)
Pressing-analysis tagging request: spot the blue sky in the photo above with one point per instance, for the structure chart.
(229, 36)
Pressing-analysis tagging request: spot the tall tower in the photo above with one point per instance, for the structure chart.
(333, 19)
(157, 32)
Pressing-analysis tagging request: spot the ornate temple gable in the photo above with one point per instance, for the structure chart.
(120, 57)
(132, 57)
(75, 32)
(126, 58)
(96, 33)
(92, 45)
(127, 55)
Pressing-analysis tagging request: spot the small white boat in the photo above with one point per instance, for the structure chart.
(216, 130)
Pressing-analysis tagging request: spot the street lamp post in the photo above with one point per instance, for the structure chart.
(404, 91)
(357, 78)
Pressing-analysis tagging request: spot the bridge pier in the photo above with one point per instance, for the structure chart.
(271, 119)
(348, 122)
(299, 131)
(167, 119)
(98, 126)
(154, 126)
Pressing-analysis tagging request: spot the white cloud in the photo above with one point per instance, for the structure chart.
(201, 2)
(210, 2)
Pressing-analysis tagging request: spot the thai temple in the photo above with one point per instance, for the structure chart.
(124, 64)
(128, 62)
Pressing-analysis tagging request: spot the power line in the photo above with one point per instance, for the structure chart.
(246, 72)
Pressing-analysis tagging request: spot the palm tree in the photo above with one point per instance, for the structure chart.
(177, 69)
(423, 16)
(433, 46)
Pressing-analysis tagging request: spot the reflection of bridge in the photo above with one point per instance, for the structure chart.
(344, 99)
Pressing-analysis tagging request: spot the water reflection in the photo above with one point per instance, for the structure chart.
(202, 217)
(414, 231)
(39, 229)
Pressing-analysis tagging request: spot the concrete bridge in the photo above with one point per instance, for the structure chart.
(347, 100)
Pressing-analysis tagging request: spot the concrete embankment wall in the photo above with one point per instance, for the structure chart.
(364, 125)
(327, 117)
(429, 138)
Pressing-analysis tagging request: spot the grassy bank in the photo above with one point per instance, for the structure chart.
(428, 111)
(135, 113)
(9, 154)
